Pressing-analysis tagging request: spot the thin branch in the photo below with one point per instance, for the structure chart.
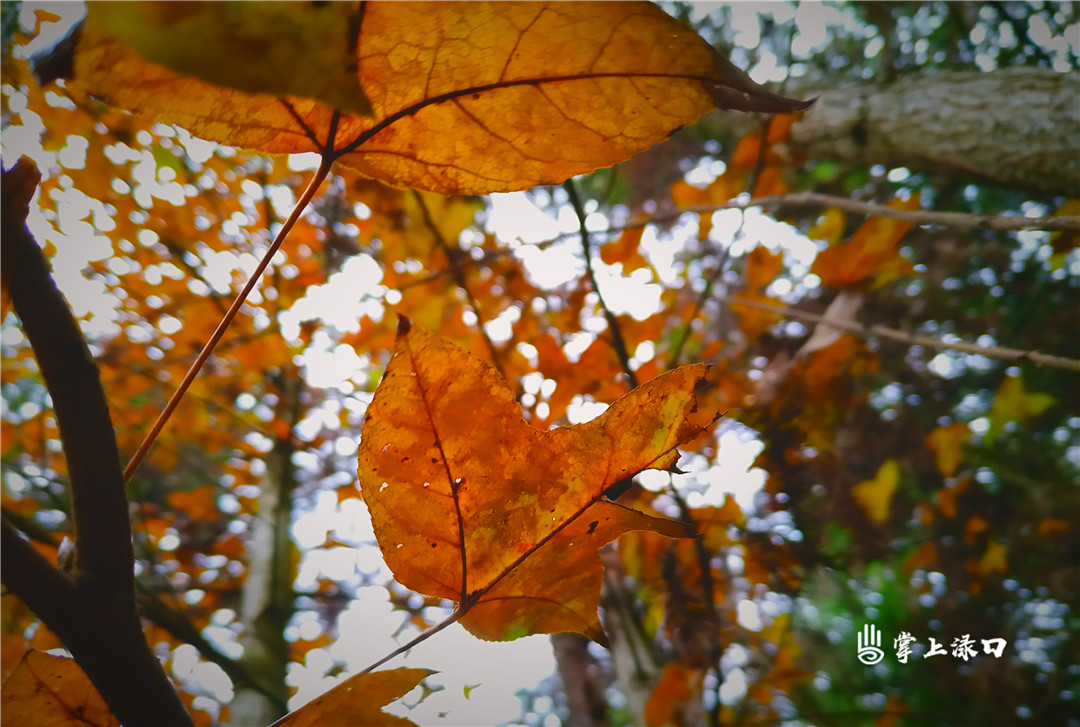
(877, 331)
(613, 323)
(159, 424)
(956, 220)
(452, 256)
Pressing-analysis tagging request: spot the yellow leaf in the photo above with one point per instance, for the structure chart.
(945, 443)
(829, 227)
(1014, 404)
(305, 50)
(994, 560)
(875, 496)
(466, 97)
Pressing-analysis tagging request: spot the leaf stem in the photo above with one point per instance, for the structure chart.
(309, 192)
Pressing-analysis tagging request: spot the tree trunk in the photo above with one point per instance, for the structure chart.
(267, 597)
(583, 682)
(1015, 128)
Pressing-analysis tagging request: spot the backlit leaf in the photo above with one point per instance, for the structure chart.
(872, 249)
(302, 50)
(54, 691)
(761, 267)
(875, 496)
(471, 503)
(1014, 404)
(677, 689)
(945, 442)
(358, 701)
(465, 97)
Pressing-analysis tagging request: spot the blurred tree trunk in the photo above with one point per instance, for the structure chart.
(1015, 128)
(583, 681)
(267, 597)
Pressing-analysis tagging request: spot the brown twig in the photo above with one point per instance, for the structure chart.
(617, 340)
(956, 220)
(458, 271)
(877, 331)
(193, 371)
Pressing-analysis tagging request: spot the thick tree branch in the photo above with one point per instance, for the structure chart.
(997, 352)
(967, 126)
(93, 608)
(99, 506)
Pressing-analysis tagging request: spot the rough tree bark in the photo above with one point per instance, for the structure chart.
(89, 601)
(1015, 128)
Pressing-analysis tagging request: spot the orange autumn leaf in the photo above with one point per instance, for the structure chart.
(872, 249)
(199, 504)
(677, 689)
(945, 442)
(471, 503)
(358, 701)
(761, 267)
(924, 556)
(465, 97)
(753, 322)
(625, 250)
(54, 691)
(686, 195)
(875, 495)
(891, 713)
(947, 496)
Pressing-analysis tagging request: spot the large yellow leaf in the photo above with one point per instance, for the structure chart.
(53, 691)
(466, 97)
(471, 503)
(297, 50)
